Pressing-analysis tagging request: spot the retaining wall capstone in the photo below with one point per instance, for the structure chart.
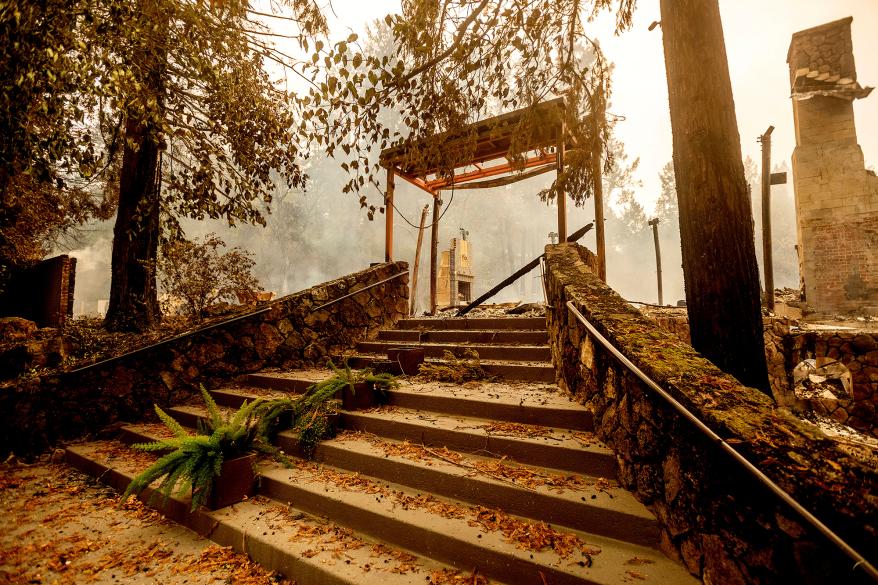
(724, 525)
(38, 412)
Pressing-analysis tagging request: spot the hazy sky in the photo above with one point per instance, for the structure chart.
(757, 35)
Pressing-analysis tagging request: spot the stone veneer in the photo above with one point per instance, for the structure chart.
(36, 413)
(725, 526)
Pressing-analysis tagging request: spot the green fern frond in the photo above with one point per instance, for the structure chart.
(213, 411)
(161, 445)
(170, 422)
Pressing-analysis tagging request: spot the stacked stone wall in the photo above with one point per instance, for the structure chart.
(856, 350)
(721, 522)
(36, 413)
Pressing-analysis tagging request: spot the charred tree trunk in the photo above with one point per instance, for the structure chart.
(716, 229)
(133, 294)
(133, 302)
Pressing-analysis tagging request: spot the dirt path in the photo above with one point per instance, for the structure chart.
(59, 526)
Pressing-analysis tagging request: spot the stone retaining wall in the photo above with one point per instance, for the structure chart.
(36, 413)
(786, 347)
(725, 526)
(856, 350)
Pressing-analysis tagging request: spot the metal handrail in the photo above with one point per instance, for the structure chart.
(219, 324)
(860, 561)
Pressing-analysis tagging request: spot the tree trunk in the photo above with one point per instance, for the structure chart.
(133, 294)
(716, 225)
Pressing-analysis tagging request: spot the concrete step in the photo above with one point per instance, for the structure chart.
(572, 451)
(578, 502)
(310, 550)
(442, 529)
(519, 323)
(537, 404)
(464, 336)
(523, 371)
(527, 353)
(465, 536)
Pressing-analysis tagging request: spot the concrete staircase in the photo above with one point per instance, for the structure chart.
(500, 479)
(515, 348)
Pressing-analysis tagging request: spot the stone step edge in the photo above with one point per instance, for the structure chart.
(501, 335)
(220, 527)
(613, 514)
(515, 353)
(573, 418)
(482, 323)
(598, 461)
(455, 540)
(536, 371)
(588, 460)
(606, 518)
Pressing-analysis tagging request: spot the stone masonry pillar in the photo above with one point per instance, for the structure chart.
(836, 198)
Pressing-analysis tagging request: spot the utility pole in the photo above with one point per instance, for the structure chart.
(768, 179)
(597, 117)
(767, 262)
(658, 257)
(414, 292)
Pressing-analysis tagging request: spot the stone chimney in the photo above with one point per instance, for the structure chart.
(836, 198)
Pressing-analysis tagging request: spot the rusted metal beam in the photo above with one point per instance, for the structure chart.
(492, 171)
(519, 273)
(501, 181)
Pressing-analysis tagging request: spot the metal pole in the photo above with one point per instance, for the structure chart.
(388, 217)
(434, 252)
(767, 262)
(658, 257)
(414, 291)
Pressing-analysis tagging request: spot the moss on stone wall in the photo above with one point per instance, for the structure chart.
(725, 526)
(36, 413)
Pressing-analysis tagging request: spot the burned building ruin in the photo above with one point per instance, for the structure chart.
(836, 197)
(456, 277)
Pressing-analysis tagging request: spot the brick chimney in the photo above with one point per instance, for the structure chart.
(836, 198)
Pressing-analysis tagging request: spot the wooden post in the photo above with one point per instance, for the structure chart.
(562, 196)
(597, 101)
(658, 257)
(434, 251)
(767, 261)
(414, 291)
(388, 217)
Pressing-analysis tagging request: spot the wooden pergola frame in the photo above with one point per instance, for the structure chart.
(485, 141)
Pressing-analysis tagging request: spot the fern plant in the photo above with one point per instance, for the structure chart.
(309, 413)
(195, 461)
(347, 377)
